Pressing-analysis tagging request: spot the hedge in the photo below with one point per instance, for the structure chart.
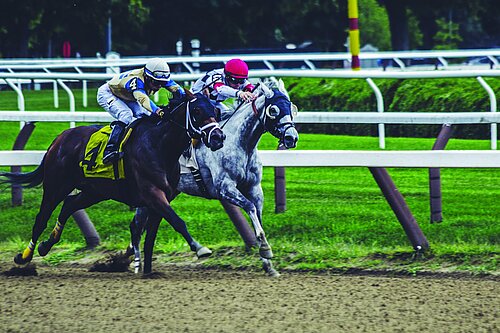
(409, 95)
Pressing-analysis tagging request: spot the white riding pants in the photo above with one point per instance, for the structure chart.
(125, 111)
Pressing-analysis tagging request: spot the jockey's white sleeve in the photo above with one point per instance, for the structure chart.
(227, 91)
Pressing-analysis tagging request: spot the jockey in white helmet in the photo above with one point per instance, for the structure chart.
(126, 98)
(221, 84)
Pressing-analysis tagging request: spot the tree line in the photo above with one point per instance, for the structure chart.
(39, 28)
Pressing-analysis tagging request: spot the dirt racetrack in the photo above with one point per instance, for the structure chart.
(69, 298)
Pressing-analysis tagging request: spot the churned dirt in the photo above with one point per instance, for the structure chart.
(70, 298)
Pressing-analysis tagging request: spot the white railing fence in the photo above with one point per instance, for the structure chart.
(59, 78)
(332, 158)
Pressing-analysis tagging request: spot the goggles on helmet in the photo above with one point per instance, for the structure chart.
(157, 75)
(235, 80)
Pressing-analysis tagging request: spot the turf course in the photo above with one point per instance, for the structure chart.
(336, 218)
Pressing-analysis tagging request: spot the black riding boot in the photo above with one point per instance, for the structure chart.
(111, 151)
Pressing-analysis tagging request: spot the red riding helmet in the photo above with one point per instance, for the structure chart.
(236, 71)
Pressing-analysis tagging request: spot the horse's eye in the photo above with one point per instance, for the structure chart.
(196, 112)
(272, 111)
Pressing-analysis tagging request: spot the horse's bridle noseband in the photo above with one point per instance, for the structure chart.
(191, 129)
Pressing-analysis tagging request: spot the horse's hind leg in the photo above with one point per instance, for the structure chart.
(71, 204)
(46, 208)
(50, 201)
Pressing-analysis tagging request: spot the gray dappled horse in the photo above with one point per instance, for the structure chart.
(234, 172)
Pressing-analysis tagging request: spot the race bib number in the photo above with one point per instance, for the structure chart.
(133, 84)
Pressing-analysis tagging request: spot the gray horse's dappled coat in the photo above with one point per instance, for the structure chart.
(234, 172)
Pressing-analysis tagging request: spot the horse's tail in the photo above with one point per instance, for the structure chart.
(27, 179)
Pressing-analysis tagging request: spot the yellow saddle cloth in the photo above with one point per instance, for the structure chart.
(92, 162)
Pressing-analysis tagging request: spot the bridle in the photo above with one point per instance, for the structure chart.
(270, 112)
(204, 132)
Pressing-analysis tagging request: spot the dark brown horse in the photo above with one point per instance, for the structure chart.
(151, 165)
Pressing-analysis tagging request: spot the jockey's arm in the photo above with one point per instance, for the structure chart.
(136, 87)
(144, 100)
(225, 91)
(175, 89)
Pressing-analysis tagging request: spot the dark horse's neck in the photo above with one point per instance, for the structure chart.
(160, 143)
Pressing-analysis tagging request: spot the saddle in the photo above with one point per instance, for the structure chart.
(92, 164)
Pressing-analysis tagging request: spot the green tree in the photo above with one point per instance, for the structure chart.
(448, 36)
(18, 19)
(374, 25)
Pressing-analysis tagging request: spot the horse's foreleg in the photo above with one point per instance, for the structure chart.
(136, 229)
(162, 206)
(240, 223)
(151, 231)
(180, 226)
(235, 197)
(265, 250)
(238, 199)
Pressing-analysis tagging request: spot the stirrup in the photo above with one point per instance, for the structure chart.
(111, 157)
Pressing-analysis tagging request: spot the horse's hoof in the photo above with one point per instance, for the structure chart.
(44, 248)
(18, 259)
(203, 252)
(266, 252)
(267, 265)
(273, 273)
(153, 275)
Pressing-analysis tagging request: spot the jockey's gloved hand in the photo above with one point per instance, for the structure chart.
(246, 96)
(160, 112)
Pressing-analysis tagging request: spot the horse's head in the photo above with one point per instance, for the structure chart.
(278, 115)
(201, 123)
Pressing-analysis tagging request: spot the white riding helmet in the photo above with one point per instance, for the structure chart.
(157, 69)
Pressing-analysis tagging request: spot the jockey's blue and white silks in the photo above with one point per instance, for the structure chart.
(126, 95)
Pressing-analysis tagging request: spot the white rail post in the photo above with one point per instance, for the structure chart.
(56, 94)
(84, 89)
(20, 99)
(71, 100)
(380, 108)
(493, 108)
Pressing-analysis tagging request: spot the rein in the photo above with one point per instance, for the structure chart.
(189, 126)
(232, 114)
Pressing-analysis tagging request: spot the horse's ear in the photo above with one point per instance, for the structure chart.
(267, 91)
(281, 87)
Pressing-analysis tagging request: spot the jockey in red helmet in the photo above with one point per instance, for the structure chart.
(228, 82)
